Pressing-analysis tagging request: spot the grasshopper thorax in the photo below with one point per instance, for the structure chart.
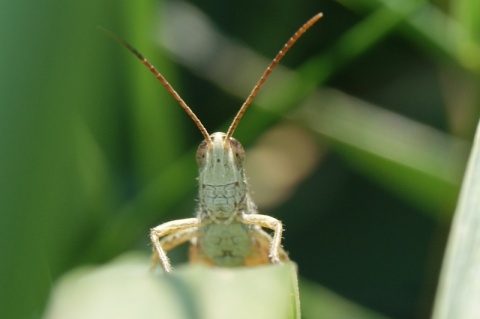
(221, 177)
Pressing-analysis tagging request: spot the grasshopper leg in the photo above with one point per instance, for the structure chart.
(184, 227)
(270, 223)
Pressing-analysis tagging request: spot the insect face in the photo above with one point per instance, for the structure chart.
(221, 176)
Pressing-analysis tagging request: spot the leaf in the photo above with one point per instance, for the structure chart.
(126, 289)
(459, 288)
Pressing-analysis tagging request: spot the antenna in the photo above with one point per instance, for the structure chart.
(164, 81)
(269, 70)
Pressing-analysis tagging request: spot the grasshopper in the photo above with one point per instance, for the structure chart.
(227, 230)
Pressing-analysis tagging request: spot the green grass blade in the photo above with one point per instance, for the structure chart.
(50, 59)
(414, 160)
(459, 288)
(433, 29)
(153, 114)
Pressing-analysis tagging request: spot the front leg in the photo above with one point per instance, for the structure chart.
(270, 223)
(166, 229)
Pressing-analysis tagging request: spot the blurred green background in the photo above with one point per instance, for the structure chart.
(378, 107)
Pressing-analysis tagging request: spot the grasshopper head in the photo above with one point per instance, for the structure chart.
(220, 161)
(222, 182)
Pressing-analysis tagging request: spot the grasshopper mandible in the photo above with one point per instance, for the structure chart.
(227, 230)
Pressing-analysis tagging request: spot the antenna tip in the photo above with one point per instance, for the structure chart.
(318, 16)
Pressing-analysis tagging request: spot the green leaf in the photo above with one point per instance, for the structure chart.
(126, 289)
(459, 288)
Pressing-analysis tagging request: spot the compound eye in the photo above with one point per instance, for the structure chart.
(202, 153)
(238, 151)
